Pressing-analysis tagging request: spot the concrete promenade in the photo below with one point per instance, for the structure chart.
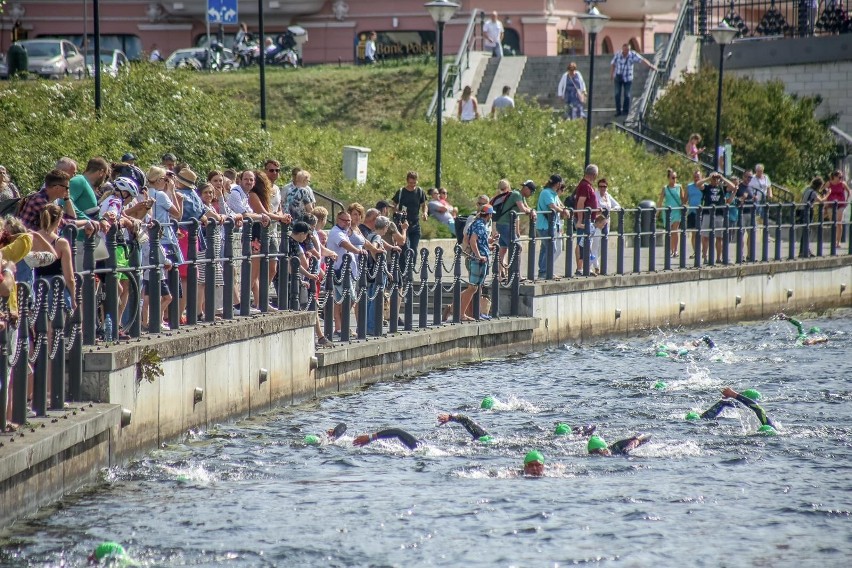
(225, 370)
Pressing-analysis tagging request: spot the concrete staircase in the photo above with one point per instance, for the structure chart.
(541, 77)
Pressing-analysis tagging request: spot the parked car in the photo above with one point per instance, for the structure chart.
(54, 58)
(112, 61)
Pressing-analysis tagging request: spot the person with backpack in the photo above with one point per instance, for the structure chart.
(504, 203)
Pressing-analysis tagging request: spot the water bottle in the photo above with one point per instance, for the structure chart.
(108, 328)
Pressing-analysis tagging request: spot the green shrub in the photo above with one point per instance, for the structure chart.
(766, 124)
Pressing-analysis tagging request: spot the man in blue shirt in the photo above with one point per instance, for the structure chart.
(552, 212)
(622, 73)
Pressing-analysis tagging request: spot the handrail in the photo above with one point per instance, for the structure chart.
(335, 204)
(462, 57)
(657, 79)
(780, 194)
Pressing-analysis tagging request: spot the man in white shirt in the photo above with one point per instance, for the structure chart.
(492, 36)
(502, 103)
(761, 188)
(370, 49)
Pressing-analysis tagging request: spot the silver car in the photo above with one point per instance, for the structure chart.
(112, 62)
(54, 58)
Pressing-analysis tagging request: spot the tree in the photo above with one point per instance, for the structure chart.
(766, 124)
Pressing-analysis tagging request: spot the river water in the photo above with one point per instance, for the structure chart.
(708, 493)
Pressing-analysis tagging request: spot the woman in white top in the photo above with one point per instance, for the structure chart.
(468, 106)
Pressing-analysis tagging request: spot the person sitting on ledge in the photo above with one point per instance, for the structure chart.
(407, 439)
(598, 445)
(814, 335)
(475, 430)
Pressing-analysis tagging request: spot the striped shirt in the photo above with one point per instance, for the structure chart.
(624, 64)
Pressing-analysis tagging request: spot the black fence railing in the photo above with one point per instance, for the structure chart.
(49, 337)
(774, 18)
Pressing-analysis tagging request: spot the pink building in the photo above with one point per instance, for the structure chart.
(337, 27)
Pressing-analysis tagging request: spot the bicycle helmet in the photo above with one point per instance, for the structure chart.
(126, 184)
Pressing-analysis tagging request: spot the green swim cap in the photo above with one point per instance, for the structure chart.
(752, 394)
(767, 429)
(814, 329)
(109, 550)
(183, 478)
(596, 443)
(487, 403)
(662, 353)
(533, 456)
(485, 439)
(692, 415)
(311, 440)
(562, 429)
(660, 385)
(683, 352)
(662, 347)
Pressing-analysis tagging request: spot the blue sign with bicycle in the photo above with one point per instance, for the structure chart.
(222, 11)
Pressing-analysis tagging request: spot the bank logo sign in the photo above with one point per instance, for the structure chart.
(222, 11)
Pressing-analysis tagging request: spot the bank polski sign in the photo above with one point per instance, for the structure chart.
(222, 11)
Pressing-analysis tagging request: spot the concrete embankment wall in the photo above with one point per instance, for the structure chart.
(581, 309)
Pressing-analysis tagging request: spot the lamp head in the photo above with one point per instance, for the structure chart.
(442, 11)
(724, 34)
(593, 21)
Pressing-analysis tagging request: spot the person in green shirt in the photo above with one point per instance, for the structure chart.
(504, 203)
(82, 188)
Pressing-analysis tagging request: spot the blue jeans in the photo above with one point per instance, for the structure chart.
(544, 236)
(371, 306)
(622, 86)
(413, 238)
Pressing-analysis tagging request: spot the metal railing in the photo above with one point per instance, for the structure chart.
(452, 72)
(756, 19)
(333, 204)
(665, 63)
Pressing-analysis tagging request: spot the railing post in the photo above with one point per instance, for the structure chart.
(263, 276)
(569, 244)
(619, 242)
(245, 268)
(40, 344)
(515, 276)
(328, 304)
(75, 356)
(192, 273)
(284, 271)
(393, 311)
(346, 300)
(437, 295)
(495, 280)
(90, 316)
(765, 244)
(652, 242)
(378, 301)
(699, 246)
(834, 235)
(423, 299)
(684, 238)
(604, 248)
(174, 287)
(22, 364)
(805, 245)
(667, 239)
(409, 293)
(210, 254)
(587, 250)
(752, 239)
(134, 279)
(532, 259)
(726, 236)
(57, 364)
(740, 235)
(777, 228)
(364, 292)
(228, 270)
(549, 246)
(791, 233)
(110, 280)
(711, 253)
(457, 285)
(820, 228)
(637, 243)
(155, 300)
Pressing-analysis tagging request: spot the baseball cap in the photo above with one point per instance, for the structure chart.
(529, 184)
(128, 157)
(486, 209)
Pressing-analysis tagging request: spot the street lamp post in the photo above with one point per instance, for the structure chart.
(723, 34)
(442, 11)
(593, 22)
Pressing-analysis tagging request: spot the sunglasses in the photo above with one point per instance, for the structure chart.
(273, 170)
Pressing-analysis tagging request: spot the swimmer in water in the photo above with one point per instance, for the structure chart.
(331, 434)
(111, 553)
(563, 429)
(666, 350)
(814, 336)
(598, 445)
(407, 439)
(534, 464)
(766, 424)
(715, 410)
(475, 430)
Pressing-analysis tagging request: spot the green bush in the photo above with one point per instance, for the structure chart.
(766, 124)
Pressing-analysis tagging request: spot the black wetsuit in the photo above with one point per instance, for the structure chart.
(475, 429)
(761, 414)
(407, 439)
(623, 447)
(717, 409)
(710, 343)
(586, 430)
(338, 431)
